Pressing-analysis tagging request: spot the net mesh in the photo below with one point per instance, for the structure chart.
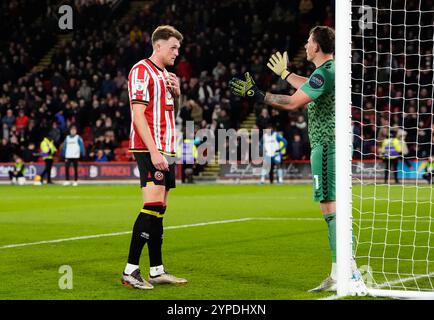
(392, 97)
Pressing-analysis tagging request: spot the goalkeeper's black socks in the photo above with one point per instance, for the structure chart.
(142, 230)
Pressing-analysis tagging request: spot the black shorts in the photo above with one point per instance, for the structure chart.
(150, 174)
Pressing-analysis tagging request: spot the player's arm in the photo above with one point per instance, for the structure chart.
(285, 102)
(278, 63)
(142, 127)
(295, 80)
(82, 147)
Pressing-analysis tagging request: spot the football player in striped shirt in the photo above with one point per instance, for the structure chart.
(154, 94)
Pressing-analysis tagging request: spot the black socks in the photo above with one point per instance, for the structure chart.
(148, 228)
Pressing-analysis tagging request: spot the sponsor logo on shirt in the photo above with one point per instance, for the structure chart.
(316, 81)
(140, 84)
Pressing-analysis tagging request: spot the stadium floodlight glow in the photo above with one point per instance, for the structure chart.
(384, 74)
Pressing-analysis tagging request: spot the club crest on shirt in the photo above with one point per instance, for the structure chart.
(158, 175)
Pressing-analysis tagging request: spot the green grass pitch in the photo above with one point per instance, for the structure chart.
(278, 249)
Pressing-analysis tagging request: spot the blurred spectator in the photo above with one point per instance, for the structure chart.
(73, 149)
(185, 113)
(9, 118)
(401, 136)
(107, 85)
(263, 119)
(428, 168)
(120, 80)
(390, 152)
(30, 153)
(48, 149)
(183, 69)
(21, 121)
(297, 148)
(223, 120)
(85, 91)
(196, 111)
(5, 151)
(100, 156)
(16, 175)
(55, 133)
(219, 71)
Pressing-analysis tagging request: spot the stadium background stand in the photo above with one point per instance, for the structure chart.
(85, 83)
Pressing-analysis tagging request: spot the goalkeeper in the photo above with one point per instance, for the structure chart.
(318, 91)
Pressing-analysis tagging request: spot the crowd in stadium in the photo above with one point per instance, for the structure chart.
(85, 84)
(393, 93)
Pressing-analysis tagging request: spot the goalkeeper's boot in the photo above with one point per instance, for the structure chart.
(135, 280)
(166, 278)
(329, 284)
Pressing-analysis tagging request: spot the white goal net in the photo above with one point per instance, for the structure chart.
(393, 142)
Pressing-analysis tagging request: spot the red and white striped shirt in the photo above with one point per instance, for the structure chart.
(147, 85)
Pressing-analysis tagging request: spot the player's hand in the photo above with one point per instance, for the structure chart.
(159, 161)
(246, 88)
(279, 64)
(173, 84)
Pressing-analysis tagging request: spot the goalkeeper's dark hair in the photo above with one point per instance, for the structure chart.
(165, 32)
(325, 37)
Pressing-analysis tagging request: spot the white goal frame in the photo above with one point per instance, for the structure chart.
(344, 159)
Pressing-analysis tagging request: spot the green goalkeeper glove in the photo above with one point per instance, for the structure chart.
(278, 64)
(246, 88)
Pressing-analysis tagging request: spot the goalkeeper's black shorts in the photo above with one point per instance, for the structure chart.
(150, 174)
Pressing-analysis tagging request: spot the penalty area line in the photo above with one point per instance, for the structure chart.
(166, 228)
(119, 233)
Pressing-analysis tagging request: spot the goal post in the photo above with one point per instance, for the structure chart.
(343, 146)
(384, 88)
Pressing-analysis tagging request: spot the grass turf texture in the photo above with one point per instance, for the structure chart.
(255, 259)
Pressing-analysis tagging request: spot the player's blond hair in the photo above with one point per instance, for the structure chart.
(165, 32)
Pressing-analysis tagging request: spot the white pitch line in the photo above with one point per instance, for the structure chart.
(119, 233)
(391, 283)
(166, 228)
(63, 240)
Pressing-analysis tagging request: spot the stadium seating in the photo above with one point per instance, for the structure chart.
(77, 86)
